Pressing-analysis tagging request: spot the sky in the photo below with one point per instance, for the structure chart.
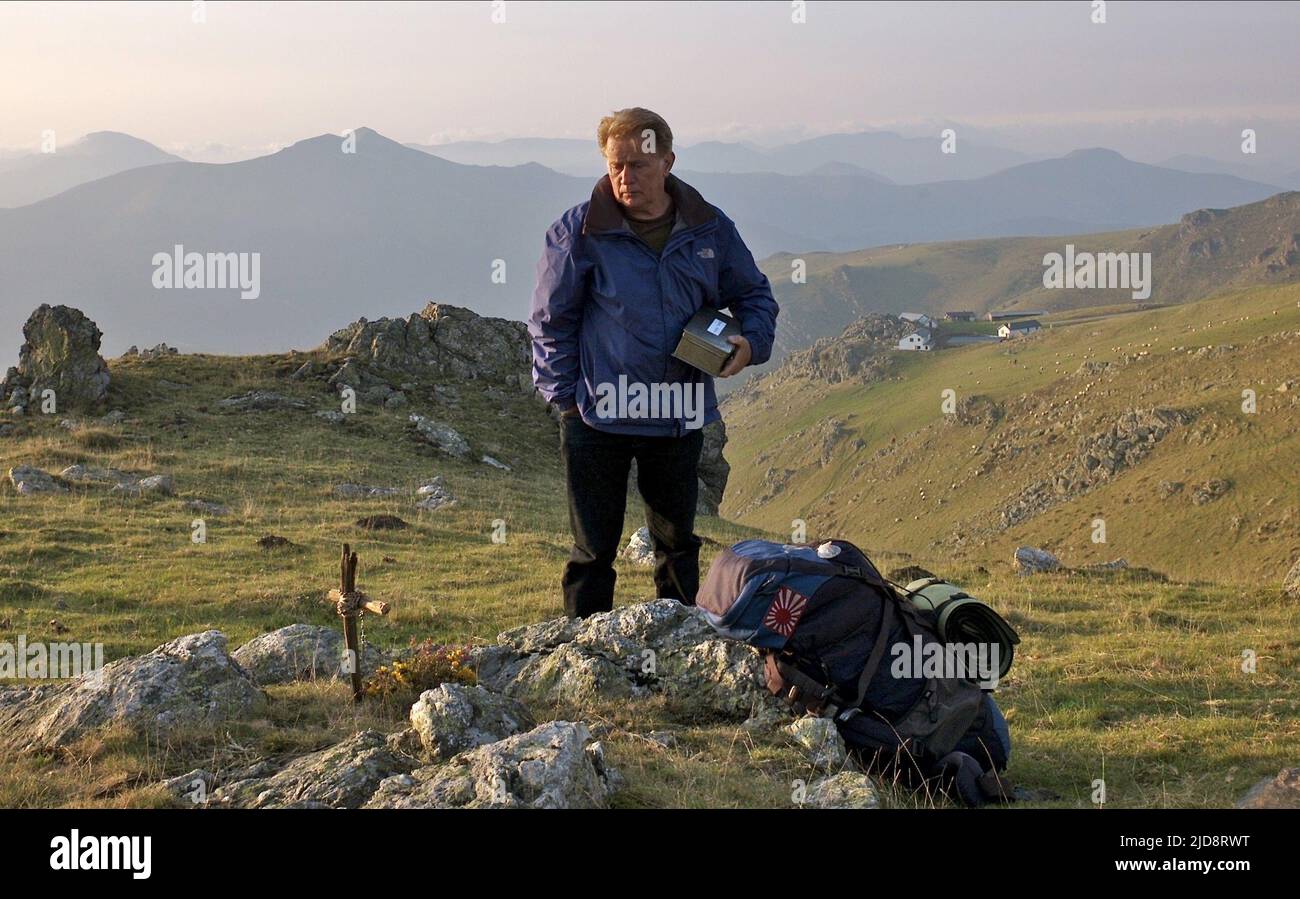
(1156, 79)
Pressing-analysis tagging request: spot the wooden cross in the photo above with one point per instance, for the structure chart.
(351, 604)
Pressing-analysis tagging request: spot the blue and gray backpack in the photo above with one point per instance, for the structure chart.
(825, 619)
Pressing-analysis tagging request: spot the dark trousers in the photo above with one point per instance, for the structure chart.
(596, 465)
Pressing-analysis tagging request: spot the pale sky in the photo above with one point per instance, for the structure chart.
(267, 74)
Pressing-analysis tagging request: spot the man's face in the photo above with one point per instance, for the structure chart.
(637, 177)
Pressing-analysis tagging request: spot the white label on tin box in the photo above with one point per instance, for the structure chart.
(717, 326)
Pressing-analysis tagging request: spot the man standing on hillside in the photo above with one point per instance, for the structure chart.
(621, 276)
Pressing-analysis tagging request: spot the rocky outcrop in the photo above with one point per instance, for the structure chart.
(440, 341)
(301, 652)
(861, 353)
(659, 647)
(190, 681)
(60, 352)
(555, 765)
(1099, 457)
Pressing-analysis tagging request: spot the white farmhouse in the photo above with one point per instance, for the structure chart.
(917, 340)
(1018, 329)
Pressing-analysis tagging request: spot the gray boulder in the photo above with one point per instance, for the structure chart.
(27, 479)
(441, 435)
(344, 775)
(190, 681)
(60, 352)
(555, 765)
(1030, 560)
(453, 718)
(301, 652)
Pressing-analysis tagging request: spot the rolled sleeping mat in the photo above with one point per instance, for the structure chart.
(961, 618)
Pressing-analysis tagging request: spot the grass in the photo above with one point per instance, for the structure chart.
(1133, 681)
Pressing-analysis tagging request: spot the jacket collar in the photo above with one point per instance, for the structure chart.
(605, 213)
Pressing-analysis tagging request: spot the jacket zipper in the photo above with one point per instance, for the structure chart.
(682, 237)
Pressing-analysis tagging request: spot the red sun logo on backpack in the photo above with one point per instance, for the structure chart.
(784, 613)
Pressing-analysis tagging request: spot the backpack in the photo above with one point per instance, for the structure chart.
(825, 619)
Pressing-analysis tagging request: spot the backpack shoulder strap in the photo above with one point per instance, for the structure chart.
(887, 618)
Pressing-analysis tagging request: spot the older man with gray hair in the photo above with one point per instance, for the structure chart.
(620, 277)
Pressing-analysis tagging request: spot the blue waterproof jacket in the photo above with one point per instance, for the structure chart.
(606, 305)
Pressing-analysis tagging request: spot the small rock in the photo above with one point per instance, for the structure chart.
(847, 789)
(453, 718)
(640, 549)
(334, 418)
(821, 740)
(434, 495)
(496, 464)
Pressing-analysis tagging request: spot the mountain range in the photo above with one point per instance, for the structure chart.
(386, 228)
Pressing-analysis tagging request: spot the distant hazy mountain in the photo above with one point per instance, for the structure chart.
(28, 177)
(882, 154)
(1088, 190)
(572, 157)
(378, 232)
(384, 230)
(1254, 171)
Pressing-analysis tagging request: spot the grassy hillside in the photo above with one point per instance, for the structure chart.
(1207, 252)
(884, 464)
(1117, 678)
